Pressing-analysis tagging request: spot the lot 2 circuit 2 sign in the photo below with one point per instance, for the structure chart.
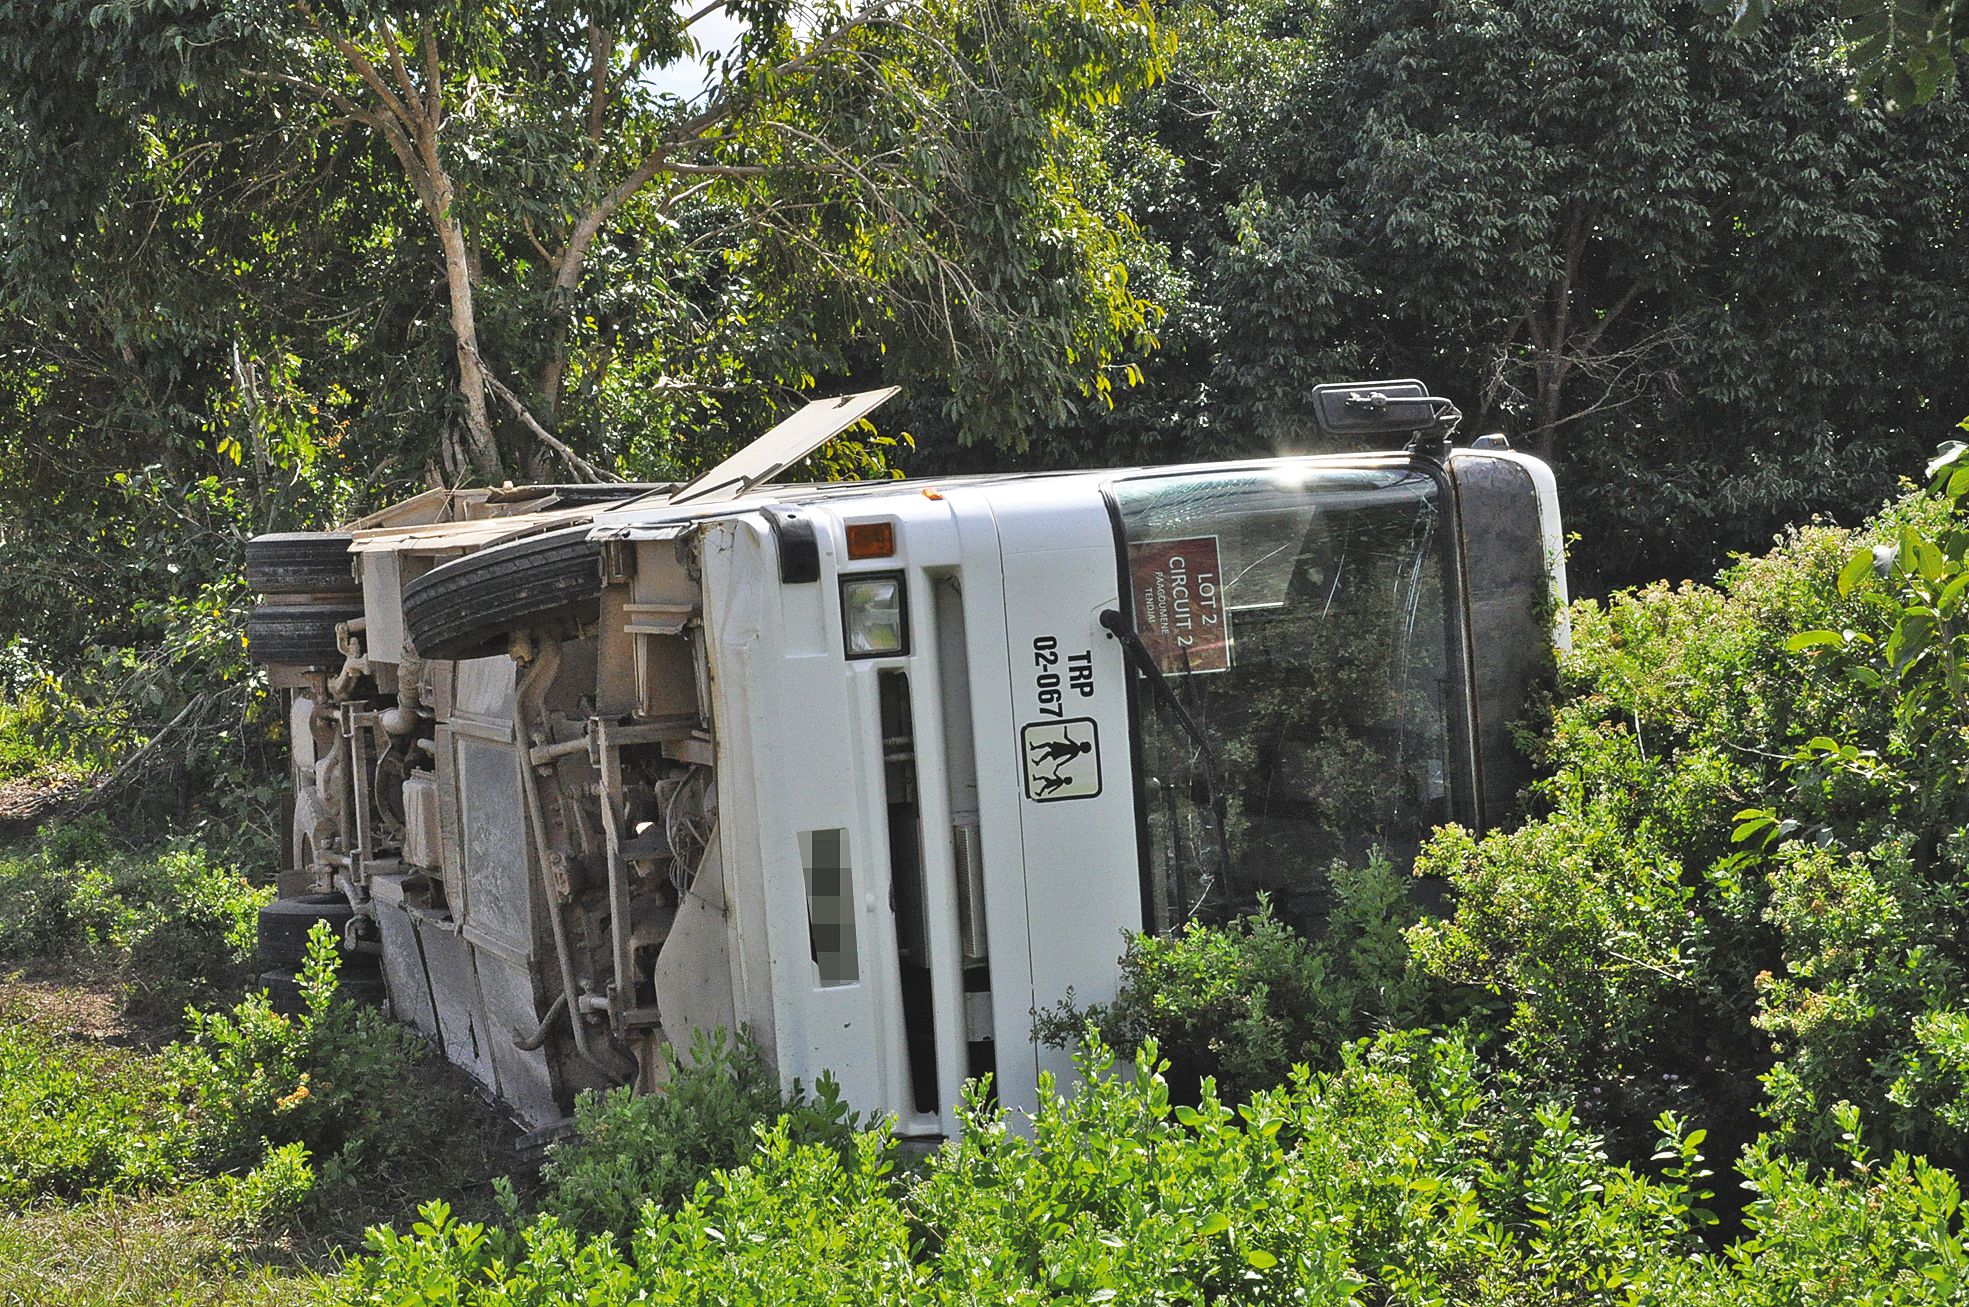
(1178, 591)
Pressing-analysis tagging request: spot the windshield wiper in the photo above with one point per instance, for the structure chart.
(1139, 657)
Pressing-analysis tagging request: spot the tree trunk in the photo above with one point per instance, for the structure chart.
(409, 121)
(1548, 405)
(567, 276)
(480, 446)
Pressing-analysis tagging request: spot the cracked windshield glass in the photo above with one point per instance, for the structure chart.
(1298, 616)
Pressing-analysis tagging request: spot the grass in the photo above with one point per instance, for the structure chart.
(76, 1118)
(100, 1203)
(109, 1187)
(89, 1211)
(157, 1250)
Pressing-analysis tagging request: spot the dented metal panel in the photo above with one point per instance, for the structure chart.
(403, 961)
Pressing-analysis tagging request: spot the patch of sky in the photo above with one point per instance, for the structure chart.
(690, 78)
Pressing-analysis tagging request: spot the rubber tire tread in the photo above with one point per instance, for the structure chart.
(285, 923)
(468, 607)
(301, 634)
(301, 562)
(284, 991)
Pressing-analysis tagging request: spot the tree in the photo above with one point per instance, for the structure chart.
(860, 183)
(1682, 265)
(1909, 50)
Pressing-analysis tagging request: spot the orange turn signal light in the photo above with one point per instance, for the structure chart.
(871, 540)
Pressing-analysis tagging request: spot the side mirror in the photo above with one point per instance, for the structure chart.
(1355, 408)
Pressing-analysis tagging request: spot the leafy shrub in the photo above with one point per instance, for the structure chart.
(56, 901)
(176, 925)
(1401, 1177)
(1584, 923)
(194, 938)
(1244, 1002)
(330, 1078)
(30, 740)
(630, 1149)
(1744, 889)
(46, 733)
(75, 1119)
(252, 1119)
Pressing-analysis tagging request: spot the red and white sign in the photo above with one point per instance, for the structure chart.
(1179, 604)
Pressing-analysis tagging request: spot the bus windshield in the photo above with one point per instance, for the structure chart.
(1298, 612)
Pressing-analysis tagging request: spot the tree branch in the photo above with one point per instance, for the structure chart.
(868, 14)
(718, 169)
(348, 107)
(433, 72)
(358, 61)
(402, 73)
(580, 465)
(1592, 337)
(705, 12)
(601, 46)
(533, 239)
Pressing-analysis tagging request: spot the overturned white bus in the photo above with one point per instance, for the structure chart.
(876, 770)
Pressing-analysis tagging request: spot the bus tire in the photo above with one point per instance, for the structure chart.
(468, 607)
(301, 563)
(285, 923)
(298, 634)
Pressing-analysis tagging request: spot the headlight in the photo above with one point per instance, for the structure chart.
(873, 616)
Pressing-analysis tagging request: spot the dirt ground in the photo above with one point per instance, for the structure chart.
(29, 800)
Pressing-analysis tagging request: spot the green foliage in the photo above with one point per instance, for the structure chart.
(1400, 1177)
(175, 924)
(1653, 251)
(1245, 1002)
(254, 1116)
(1585, 926)
(1908, 51)
(1749, 865)
(45, 734)
(668, 239)
(630, 1150)
(79, 1120)
(75, 1119)
(327, 1079)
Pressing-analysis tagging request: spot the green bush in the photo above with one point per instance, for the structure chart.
(175, 925)
(46, 733)
(30, 740)
(1401, 1177)
(1244, 1002)
(1739, 895)
(75, 1118)
(194, 938)
(331, 1079)
(630, 1149)
(256, 1110)
(1744, 893)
